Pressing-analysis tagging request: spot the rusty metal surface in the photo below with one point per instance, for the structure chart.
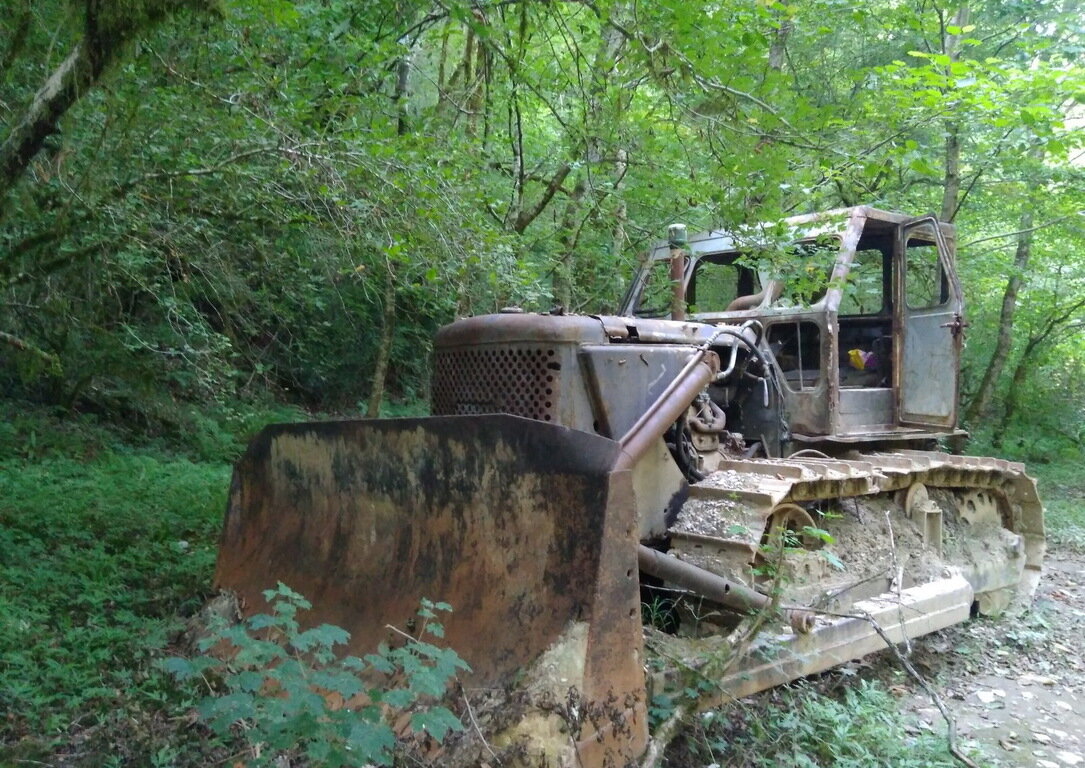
(517, 379)
(929, 349)
(677, 239)
(730, 594)
(512, 522)
(624, 379)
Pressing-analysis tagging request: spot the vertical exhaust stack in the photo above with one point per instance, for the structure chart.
(676, 240)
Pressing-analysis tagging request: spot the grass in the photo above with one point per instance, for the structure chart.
(99, 563)
(107, 544)
(798, 725)
(1062, 489)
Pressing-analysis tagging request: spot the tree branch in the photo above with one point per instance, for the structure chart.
(1046, 224)
(524, 218)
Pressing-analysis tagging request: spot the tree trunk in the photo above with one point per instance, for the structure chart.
(384, 351)
(69, 81)
(1055, 324)
(951, 182)
(104, 36)
(566, 266)
(610, 43)
(980, 402)
(1020, 371)
(399, 97)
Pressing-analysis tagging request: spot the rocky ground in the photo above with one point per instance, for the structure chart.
(1015, 685)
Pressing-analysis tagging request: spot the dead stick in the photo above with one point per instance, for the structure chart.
(951, 722)
(474, 722)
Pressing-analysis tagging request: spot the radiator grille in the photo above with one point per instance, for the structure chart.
(519, 380)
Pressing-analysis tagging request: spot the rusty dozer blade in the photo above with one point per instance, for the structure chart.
(521, 526)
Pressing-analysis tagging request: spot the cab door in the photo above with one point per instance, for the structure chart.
(929, 315)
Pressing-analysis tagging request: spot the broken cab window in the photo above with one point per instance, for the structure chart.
(863, 293)
(718, 280)
(797, 349)
(804, 268)
(926, 284)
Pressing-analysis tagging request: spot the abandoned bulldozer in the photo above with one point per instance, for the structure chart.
(751, 440)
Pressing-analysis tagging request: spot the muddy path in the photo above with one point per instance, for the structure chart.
(1016, 685)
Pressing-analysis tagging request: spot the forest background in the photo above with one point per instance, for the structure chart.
(214, 213)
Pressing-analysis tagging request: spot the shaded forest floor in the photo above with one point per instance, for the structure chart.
(106, 549)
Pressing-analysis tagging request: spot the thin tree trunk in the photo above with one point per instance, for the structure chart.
(384, 350)
(610, 43)
(442, 63)
(981, 401)
(621, 213)
(1020, 371)
(1054, 325)
(104, 36)
(566, 266)
(951, 183)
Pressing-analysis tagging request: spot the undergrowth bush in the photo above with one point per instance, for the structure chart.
(269, 681)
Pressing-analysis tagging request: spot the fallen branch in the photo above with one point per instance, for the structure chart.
(663, 736)
(951, 722)
(474, 723)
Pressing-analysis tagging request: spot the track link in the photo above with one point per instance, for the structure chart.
(729, 510)
(903, 575)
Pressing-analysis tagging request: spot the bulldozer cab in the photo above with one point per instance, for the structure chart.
(862, 312)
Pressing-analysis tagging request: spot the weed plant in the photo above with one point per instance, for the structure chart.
(99, 562)
(269, 680)
(105, 548)
(800, 727)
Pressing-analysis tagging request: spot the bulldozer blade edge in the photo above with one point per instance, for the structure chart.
(520, 526)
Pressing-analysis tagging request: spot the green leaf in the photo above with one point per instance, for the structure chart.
(437, 722)
(345, 684)
(180, 668)
(833, 560)
(371, 742)
(325, 635)
(399, 698)
(248, 681)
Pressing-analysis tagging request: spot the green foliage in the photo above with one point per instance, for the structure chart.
(209, 434)
(1062, 489)
(220, 220)
(274, 679)
(802, 727)
(98, 562)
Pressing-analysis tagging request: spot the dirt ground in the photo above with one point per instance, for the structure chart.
(1016, 685)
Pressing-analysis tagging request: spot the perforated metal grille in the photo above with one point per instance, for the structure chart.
(519, 380)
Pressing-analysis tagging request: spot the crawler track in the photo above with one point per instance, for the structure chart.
(919, 539)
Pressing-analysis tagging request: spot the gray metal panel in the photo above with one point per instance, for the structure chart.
(628, 378)
(863, 409)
